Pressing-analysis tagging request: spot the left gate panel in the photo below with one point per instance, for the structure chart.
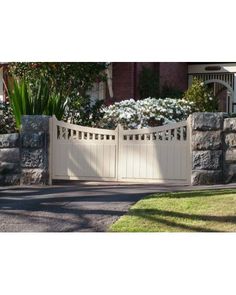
(83, 153)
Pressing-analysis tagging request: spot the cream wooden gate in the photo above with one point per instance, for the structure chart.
(159, 154)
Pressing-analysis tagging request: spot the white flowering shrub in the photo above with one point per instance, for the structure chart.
(148, 112)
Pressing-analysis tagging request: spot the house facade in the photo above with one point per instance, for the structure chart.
(124, 80)
(126, 77)
(175, 77)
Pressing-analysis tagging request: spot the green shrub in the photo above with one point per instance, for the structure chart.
(202, 96)
(44, 100)
(66, 79)
(87, 112)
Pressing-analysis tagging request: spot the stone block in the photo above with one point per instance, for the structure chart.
(204, 177)
(230, 140)
(35, 123)
(230, 173)
(206, 160)
(32, 158)
(208, 140)
(11, 179)
(34, 176)
(6, 167)
(32, 139)
(207, 121)
(11, 155)
(230, 125)
(230, 156)
(9, 140)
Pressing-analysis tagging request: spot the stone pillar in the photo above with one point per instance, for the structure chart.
(207, 148)
(9, 159)
(35, 150)
(230, 150)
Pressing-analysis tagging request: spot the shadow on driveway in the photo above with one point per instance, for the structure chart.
(72, 206)
(68, 207)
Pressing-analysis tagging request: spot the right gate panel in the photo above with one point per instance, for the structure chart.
(159, 154)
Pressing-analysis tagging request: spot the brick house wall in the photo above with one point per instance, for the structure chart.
(123, 81)
(125, 78)
(174, 74)
(139, 66)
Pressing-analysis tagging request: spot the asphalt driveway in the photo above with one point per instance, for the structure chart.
(70, 207)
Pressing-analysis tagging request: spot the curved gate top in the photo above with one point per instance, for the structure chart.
(158, 154)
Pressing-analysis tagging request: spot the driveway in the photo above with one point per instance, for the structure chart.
(70, 207)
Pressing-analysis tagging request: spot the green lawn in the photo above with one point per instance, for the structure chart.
(195, 211)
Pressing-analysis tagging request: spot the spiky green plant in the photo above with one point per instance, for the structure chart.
(44, 101)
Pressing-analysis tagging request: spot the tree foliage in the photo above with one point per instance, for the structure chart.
(202, 96)
(70, 80)
(7, 120)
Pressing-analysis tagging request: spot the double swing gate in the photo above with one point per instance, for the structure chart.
(157, 154)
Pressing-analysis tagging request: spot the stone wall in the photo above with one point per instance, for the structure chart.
(24, 157)
(207, 148)
(34, 150)
(10, 170)
(213, 148)
(229, 150)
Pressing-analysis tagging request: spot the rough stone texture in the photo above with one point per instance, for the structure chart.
(209, 140)
(207, 121)
(207, 160)
(35, 123)
(32, 158)
(10, 179)
(34, 152)
(201, 177)
(208, 143)
(230, 155)
(32, 140)
(32, 155)
(9, 159)
(11, 155)
(230, 125)
(229, 173)
(7, 167)
(34, 176)
(9, 140)
(230, 140)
